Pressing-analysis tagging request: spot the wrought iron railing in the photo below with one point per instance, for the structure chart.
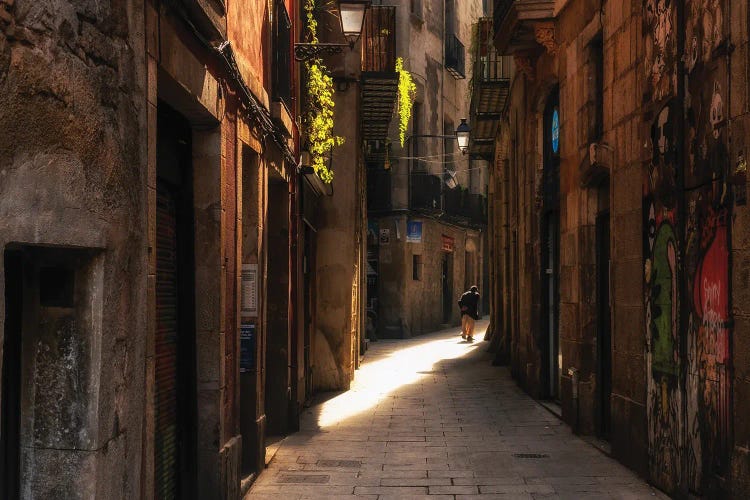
(379, 40)
(455, 56)
(489, 65)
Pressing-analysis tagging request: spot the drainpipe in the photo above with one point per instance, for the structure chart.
(573, 373)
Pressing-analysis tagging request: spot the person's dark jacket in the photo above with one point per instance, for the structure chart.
(470, 300)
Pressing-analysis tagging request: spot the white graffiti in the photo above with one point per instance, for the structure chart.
(717, 110)
(712, 319)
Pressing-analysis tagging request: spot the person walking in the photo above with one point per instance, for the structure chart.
(469, 304)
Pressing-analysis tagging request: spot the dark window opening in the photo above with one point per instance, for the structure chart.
(416, 267)
(56, 286)
(282, 45)
(450, 17)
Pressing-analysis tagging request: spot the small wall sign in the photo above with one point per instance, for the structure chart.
(449, 244)
(414, 231)
(249, 297)
(247, 348)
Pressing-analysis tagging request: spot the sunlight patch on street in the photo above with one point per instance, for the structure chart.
(376, 380)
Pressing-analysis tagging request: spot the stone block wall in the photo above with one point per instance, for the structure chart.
(73, 163)
(676, 200)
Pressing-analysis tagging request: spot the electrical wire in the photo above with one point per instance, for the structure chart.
(457, 172)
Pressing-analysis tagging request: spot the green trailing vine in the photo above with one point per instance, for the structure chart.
(407, 89)
(319, 117)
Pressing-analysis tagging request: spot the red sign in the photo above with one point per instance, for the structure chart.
(448, 244)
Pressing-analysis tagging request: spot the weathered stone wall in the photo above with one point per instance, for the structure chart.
(338, 255)
(72, 172)
(676, 196)
(738, 113)
(409, 307)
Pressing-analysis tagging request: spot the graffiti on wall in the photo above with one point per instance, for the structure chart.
(661, 249)
(687, 206)
(708, 205)
(660, 18)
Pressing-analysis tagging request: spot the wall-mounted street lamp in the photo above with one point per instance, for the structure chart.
(352, 16)
(463, 131)
(462, 136)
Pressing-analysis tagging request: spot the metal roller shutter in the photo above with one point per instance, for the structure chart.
(166, 445)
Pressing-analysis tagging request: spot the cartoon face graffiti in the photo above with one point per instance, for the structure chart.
(662, 132)
(662, 169)
(717, 110)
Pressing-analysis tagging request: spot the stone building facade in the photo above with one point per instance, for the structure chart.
(618, 198)
(159, 281)
(427, 200)
(72, 218)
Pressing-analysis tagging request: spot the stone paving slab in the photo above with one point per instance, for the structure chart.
(430, 418)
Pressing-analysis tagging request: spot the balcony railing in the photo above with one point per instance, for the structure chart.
(379, 80)
(379, 40)
(490, 90)
(455, 57)
(490, 66)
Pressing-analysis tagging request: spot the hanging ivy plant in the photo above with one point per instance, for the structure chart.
(319, 116)
(407, 90)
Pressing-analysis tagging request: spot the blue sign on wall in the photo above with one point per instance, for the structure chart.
(414, 231)
(555, 135)
(247, 348)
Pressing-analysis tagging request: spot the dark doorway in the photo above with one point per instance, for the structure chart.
(11, 384)
(309, 305)
(174, 388)
(550, 303)
(251, 364)
(604, 314)
(278, 348)
(550, 247)
(447, 288)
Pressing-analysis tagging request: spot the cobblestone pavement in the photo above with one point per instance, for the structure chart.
(431, 418)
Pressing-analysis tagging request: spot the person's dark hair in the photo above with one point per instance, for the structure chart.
(474, 288)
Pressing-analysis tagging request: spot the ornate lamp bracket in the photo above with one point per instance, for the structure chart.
(307, 51)
(545, 36)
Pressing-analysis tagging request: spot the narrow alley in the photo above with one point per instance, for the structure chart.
(430, 417)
